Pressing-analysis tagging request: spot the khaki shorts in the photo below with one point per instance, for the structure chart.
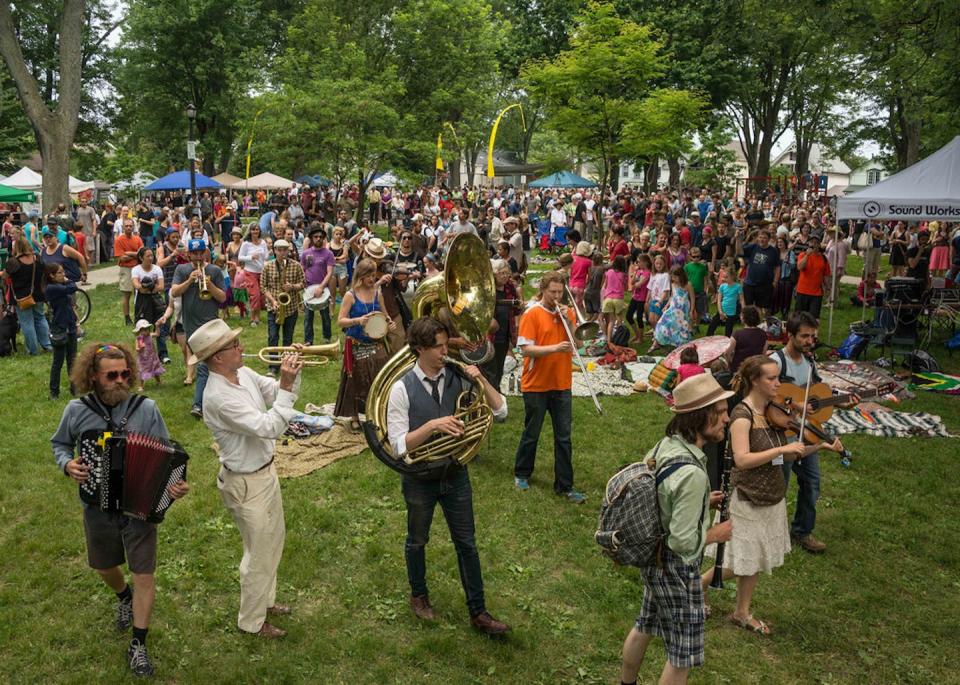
(125, 281)
(615, 307)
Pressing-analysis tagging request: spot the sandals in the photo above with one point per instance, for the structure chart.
(355, 426)
(760, 628)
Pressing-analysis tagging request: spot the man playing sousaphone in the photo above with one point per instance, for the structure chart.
(365, 324)
(282, 283)
(422, 404)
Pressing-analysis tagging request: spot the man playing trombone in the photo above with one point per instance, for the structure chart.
(547, 350)
(282, 283)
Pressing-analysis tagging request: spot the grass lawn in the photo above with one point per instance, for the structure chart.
(882, 606)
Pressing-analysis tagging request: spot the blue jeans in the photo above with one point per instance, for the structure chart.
(535, 406)
(455, 497)
(808, 482)
(308, 324)
(66, 352)
(273, 333)
(35, 329)
(203, 373)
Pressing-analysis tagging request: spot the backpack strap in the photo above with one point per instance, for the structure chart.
(93, 404)
(664, 473)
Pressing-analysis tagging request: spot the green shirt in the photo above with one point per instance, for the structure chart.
(696, 273)
(684, 498)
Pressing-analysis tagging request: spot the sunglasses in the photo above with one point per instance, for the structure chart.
(114, 375)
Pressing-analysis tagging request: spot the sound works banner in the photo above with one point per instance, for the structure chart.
(929, 190)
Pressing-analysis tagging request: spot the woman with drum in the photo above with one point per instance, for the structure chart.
(363, 319)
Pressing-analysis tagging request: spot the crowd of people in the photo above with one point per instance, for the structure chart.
(662, 266)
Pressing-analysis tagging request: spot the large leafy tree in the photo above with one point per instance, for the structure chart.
(56, 57)
(594, 90)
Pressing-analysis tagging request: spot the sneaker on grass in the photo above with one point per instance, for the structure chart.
(575, 496)
(521, 483)
(139, 660)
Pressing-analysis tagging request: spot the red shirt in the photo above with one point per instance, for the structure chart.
(618, 248)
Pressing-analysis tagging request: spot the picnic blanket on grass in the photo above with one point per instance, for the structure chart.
(886, 423)
(854, 376)
(604, 381)
(936, 382)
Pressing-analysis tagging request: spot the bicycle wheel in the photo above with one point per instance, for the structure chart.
(82, 306)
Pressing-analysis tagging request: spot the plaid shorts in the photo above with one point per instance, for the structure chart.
(673, 609)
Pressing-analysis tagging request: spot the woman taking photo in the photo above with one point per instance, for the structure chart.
(26, 276)
(758, 510)
(252, 257)
(363, 356)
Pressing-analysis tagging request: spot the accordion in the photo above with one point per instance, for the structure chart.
(130, 473)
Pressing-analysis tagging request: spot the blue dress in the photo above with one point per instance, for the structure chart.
(673, 328)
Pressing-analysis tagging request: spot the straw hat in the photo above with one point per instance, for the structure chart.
(584, 249)
(697, 392)
(210, 338)
(375, 248)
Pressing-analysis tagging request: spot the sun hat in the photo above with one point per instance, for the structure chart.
(236, 230)
(142, 324)
(696, 392)
(584, 249)
(375, 248)
(210, 338)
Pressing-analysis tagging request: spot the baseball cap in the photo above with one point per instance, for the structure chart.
(196, 245)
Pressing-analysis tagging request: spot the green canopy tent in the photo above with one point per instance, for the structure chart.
(8, 194)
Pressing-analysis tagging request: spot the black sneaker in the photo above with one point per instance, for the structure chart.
(125, 613)
(127, 320)
(196, 411)
(139, 660)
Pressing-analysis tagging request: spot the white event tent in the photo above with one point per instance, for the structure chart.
(28, 179)
(927, 191)
(266, 181)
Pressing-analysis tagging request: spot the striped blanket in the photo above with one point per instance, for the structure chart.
(886, 423)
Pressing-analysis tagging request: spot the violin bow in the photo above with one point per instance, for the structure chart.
(806, 401)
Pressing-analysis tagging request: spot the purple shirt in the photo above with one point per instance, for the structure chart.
(317, 262)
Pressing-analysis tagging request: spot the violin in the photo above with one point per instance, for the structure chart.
(783, 413)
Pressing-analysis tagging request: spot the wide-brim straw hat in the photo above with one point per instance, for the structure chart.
(584, 249)
(375, 248)
(210, 338)
(697, 392)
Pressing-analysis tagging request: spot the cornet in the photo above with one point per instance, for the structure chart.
(312, 355)
(202, 285)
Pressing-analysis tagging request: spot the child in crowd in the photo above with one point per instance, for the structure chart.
(639, 279)
(697, 275)
(614, 287)
(221, 263)
(866, 291)
(147, 358)
(591, 295)
(729, 302)
(174, 312)
(689, 363)
(63, 324)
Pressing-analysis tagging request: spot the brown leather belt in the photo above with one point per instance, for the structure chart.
(248, 473)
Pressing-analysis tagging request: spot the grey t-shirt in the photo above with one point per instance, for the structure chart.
(197, 312)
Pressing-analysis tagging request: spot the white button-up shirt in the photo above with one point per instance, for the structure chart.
(398, 410)
(237, 415)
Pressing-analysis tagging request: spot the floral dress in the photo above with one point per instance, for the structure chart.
(673, 328)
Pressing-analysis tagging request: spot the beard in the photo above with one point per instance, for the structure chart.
(113, 396)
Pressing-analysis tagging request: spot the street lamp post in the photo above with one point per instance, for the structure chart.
(192, 155)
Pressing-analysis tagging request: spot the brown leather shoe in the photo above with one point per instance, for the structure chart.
(422, 608)
(811, 544)
(487, 624)
(271, 632)
(279, 610)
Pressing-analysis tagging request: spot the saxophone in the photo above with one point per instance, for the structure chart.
(283, 297)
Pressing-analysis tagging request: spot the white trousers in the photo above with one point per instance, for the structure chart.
(255, 503)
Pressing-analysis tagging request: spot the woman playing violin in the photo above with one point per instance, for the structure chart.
(758, 508)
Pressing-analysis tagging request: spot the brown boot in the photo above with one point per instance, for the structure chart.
(422, 608)
(270, 632)
(810, 544)
(487, 624)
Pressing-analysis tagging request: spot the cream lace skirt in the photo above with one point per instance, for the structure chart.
(761, 537)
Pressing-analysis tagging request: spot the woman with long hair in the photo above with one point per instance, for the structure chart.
(899, 243)
(253, 256)
(675, 327)
(757, 509)
(676, 253)
(363, 356)
(783, 294)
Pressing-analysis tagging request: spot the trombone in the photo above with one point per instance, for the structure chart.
(576, 352)
(312, 355)
(585, 330)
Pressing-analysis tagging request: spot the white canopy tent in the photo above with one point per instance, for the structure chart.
(266, 181)
(927, 191)
(229, 180)
(136, 182)
(28, 179)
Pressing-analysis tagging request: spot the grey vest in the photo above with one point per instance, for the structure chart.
(422, 406)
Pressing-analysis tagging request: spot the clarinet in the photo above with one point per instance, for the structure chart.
(717, 581)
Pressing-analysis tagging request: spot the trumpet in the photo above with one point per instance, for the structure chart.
(313, 355)
(202, 285)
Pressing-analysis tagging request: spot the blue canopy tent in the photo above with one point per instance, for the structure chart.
(562, 179)
(180, 180)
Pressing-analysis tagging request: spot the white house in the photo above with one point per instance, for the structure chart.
(632, 173)
(869, 173)
(838, 173)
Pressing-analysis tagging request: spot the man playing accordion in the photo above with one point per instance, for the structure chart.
(105, 372)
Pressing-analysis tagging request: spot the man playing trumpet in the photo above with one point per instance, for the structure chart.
(282, 283)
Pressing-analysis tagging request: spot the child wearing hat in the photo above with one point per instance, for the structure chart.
(147, 359)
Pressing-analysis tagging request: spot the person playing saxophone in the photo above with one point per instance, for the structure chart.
(282, 283)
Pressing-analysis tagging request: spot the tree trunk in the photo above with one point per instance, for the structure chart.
(454, 173)
(613, 171)
(674, 164)
(651, 172)
(471, 154)
(55, 152)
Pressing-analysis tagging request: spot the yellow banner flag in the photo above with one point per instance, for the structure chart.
(493, 135)
(439, 152)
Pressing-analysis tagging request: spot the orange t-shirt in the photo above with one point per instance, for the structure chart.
(123, 244)
(553, 371)
(810, 280)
